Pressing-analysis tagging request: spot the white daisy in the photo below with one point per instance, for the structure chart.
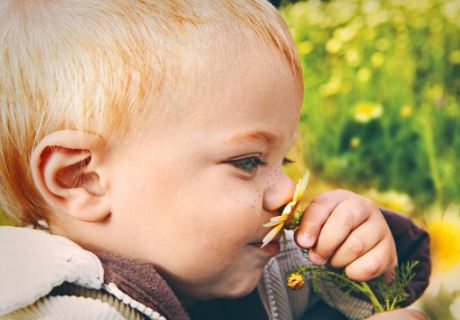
(288, 213)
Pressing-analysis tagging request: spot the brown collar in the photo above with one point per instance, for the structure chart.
(141, 282)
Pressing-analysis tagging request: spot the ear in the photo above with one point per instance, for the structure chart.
(66, 167)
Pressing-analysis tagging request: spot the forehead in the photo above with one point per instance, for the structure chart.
(257, 98)
(232, 85)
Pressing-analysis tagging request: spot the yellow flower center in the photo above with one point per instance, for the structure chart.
(445, 245)
(295, 281)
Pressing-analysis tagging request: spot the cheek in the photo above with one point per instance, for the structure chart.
(215, 233)
(228, 220)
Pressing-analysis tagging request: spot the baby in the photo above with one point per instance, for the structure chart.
(147, 138)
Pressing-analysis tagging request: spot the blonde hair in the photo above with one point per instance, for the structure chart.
(92, 65)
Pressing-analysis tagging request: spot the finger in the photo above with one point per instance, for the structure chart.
(373, 263)
(315, 215)
(345, 218)
(359, 241)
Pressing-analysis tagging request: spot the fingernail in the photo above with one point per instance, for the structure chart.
(305, 239)
(316, 259)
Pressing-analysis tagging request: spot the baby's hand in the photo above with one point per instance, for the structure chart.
(349, 231)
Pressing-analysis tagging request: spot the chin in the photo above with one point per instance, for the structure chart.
(240, 288)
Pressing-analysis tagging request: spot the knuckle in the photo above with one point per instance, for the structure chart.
(325, 249)
(367, 202)
(346, 218)
(336, 263)
(373, 268)
(321, 200)
(356, 245)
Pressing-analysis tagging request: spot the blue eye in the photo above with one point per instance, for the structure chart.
(248, 164)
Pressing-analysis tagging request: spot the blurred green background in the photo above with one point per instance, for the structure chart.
(381, 116)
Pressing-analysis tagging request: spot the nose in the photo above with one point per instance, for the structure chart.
(279, 192)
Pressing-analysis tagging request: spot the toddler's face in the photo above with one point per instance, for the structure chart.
(192, 198)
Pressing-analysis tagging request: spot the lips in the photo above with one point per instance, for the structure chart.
(272, 248)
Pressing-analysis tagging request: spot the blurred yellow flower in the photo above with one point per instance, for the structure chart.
(419, 22)
(355, 142)
(455, 308)
(345, 34)
(444, 233)
(366, 111)
(382, 44)
(352, 57)
(299, 9)
(377, 59)
(370, 6)
(305, 47)
(333, 46)
(369, 34)
(330, 88)
(288, 212)
(363, 75)
(346, 86)
(436, 26)
(295, 281)
(454, 57)
(395, 201)
(406, 111)
(451, 9)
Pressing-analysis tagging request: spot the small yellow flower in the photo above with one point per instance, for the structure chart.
(330, 88)
(382, 44)
(369, 34)
(353, 57)
(355, 142)
(406, 111)
(377, 59)
(454, 57)
(345, 34)
(366, 111)
(363, 75)
(288, 213)
(334, 46)
(370, 6)
(305, 47)
(295, 281)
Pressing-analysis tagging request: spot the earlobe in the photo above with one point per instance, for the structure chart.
(66, 168)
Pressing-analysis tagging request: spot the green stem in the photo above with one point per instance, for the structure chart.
(363, 288)
(392, 305)
(388, 304)
(430, 148)
(351, 282)
(373, 298)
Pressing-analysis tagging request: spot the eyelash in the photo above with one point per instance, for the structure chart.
(287, 161)
(254, 162)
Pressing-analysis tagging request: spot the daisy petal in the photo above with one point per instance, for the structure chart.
(288, 207)
(275, 221)
(269, 237)
(304, 183)
(300, 187)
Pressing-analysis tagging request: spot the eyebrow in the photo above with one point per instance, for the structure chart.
(264, 136)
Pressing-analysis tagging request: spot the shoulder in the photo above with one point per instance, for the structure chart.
(43, 274)
(34, 262)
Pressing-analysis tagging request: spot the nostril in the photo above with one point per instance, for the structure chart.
(281, 209)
